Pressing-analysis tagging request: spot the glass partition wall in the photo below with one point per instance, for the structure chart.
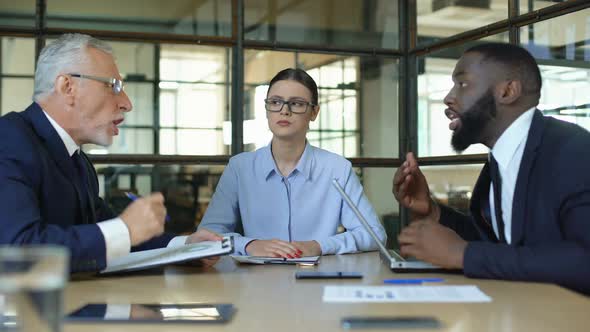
(198, 70)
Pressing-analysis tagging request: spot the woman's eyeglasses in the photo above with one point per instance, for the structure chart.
(295, 106)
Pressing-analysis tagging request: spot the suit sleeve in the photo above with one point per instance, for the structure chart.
(565, 262)
(21, 221)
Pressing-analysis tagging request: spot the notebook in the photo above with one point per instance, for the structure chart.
(146, 259)
(395, 261)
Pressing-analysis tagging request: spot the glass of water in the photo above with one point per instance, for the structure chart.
(32, 280)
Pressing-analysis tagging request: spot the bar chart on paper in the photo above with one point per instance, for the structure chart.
(464, 293)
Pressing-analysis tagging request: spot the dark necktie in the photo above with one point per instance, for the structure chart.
(82, 175)
(497, 182)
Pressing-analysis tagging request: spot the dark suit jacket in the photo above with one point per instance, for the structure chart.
(40, 196)
(550, 213)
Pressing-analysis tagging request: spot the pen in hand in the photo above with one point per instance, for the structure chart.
(134, 197)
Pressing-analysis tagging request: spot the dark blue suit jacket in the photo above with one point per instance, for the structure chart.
(550, 213)
(40, 198)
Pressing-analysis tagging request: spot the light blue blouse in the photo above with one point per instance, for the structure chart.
(300, 207)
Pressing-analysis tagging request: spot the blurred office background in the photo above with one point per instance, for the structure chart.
(197, 72)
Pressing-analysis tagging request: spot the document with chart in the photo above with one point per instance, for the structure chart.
(145, 259)
(451, 293)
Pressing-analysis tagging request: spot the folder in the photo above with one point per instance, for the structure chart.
(146, 259)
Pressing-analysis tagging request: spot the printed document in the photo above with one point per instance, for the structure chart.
(461, 293)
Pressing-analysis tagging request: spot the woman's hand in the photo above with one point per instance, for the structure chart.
(273, 248)
(204, 235)
(308, 248)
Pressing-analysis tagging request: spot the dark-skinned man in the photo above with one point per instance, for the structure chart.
(530, 208)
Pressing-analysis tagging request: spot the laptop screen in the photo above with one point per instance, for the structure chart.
(366, 225)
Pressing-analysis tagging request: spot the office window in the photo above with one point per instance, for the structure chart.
(192, 95)
(438, 19)
(17, 73)
(18, 56)
(17, 13)
(564, 94)
(377, 184)
(336, 129)
(186, 188)
(136, 63)
(532, 5)
(434, 82)
(452, 186)
(562, 47)
(345, 23)
(194, 100)
(357, 97)
(179, 17)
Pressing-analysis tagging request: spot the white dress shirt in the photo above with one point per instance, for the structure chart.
(115, 232)
(508, 152)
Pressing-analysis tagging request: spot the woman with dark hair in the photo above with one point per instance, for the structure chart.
(282, 193)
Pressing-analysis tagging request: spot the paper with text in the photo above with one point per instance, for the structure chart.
(463, 293)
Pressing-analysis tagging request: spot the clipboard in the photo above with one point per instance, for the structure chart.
(146, 259)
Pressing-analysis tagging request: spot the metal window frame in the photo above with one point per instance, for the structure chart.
(407, 55)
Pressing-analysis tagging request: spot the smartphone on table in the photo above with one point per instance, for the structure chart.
(327, 275)
(393, 322)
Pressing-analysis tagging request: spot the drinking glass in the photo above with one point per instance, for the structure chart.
(32, 280)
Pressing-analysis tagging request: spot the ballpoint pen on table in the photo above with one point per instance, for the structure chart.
(134, 197)
(417, 281)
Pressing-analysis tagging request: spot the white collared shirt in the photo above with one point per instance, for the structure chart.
(115, 232)
(508, 152)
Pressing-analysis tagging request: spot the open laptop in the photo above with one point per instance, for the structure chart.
(395, 261)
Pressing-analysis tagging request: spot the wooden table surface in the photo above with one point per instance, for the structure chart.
(269, 298)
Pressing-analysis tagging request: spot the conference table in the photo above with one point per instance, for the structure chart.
(269, 298)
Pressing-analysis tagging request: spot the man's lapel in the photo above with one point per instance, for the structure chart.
(56, 148)
(519, 202)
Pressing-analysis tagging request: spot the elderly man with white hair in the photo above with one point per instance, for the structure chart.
(48, 187)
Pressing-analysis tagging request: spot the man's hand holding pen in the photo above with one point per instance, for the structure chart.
(145, 218)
